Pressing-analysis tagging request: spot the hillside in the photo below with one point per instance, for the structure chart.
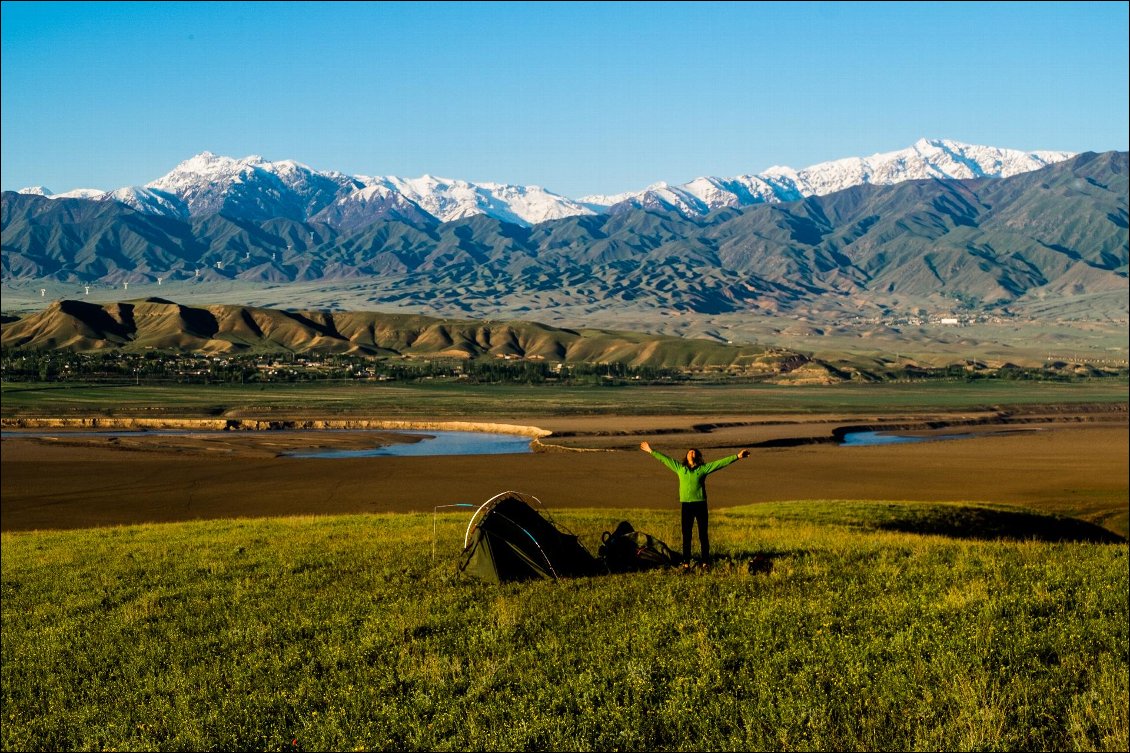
(159, 324)
(823, 626)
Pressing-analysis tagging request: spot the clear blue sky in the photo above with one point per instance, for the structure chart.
(579, 98)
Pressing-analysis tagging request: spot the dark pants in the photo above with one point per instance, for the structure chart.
(693, 511)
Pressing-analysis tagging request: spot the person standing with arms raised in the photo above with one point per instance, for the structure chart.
(692, 475)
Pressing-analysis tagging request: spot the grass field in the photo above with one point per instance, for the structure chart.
(868, 631)
(440, 399)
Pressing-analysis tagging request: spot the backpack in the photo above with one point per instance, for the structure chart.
(628, 550)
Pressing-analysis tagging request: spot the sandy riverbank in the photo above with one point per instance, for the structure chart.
(1062, 462)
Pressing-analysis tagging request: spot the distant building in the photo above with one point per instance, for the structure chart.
(949, 320)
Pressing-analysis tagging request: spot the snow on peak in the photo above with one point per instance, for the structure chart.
(254, 187)
(448, 199)
(77, 193)
(207, 166)
(926, 158)
(151, 201)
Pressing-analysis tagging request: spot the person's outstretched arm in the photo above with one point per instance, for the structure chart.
(669, 462)
(717, 465)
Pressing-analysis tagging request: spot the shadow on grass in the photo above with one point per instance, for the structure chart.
(741, 562)
(751, 562)
(991, 524)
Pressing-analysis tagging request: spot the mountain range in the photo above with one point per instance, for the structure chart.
(256, 189)
(1058, 233)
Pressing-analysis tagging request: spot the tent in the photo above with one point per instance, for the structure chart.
(508, 539)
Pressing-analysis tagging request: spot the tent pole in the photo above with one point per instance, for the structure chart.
(435, 516)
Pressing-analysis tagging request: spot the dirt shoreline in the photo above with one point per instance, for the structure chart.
(554, 434)
(1056, 460)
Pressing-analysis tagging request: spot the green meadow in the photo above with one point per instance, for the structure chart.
(437, 399)
(823, 626)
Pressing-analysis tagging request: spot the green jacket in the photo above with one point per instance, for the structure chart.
(692, 481)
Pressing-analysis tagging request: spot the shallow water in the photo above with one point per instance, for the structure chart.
(867, 438)
(434, 443)
(431, 443)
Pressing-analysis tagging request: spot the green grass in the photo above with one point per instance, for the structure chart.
(344, 633)
(438, 399)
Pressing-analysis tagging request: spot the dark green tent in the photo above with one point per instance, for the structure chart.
(508, 539)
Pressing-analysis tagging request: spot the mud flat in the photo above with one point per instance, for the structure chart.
(1071, 463)
(215, 443)
(238, 437)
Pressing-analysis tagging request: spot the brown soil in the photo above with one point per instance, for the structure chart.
(1071, 463)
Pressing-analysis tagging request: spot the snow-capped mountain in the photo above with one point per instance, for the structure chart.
(150, 201)
(36, 191)
(927, 158)
(257, 189)
(370, 204)
(252, 187)
(77, 193)
(699, 196)
(447, 199)
(1052, 239)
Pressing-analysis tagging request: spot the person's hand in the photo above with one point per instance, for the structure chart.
(743, 454)
(645, 447)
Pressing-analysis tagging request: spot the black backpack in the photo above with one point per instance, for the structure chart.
(628, 550)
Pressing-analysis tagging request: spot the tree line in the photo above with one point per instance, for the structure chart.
(185, 368)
